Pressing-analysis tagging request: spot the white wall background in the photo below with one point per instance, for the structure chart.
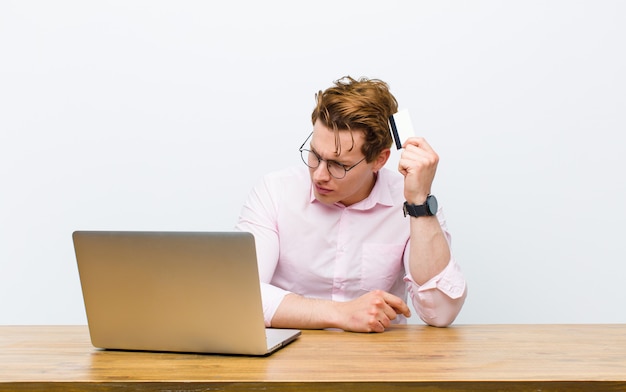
(161, 115)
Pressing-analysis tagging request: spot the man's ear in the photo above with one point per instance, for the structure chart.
(381, 159)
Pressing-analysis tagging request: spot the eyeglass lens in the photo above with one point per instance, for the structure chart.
(313, 161)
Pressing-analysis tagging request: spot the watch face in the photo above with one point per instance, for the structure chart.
(431, 201)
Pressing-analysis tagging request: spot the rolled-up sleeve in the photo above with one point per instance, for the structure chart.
(439, 300)
(272, 296)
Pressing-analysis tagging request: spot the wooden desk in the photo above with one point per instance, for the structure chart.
(461, 358)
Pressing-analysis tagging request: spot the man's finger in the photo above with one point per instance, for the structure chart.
(397, 304)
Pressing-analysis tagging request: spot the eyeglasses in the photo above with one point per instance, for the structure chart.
(335, 169)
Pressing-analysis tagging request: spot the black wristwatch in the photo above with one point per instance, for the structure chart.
(429, 208)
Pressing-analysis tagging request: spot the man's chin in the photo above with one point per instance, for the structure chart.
(325, 198)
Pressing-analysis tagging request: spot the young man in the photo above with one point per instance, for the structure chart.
(335, 249)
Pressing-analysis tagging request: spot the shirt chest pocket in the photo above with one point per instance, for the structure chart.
(381, 266)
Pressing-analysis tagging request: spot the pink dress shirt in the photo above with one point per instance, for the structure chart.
(340, 253)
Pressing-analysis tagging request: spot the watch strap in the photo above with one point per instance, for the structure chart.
(415, 210)
(429, 208)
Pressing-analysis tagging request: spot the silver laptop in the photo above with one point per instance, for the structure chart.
(174, 291)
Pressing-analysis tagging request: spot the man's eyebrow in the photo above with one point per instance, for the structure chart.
(331, 160)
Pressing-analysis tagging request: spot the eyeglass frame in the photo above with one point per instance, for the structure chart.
(346, 168)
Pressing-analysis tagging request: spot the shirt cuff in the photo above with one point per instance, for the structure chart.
(272, 296)
(439, 300)
(450, 281)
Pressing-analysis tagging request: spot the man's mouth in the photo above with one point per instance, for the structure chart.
(322, 190)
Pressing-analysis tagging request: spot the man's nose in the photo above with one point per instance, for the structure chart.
(321, 172)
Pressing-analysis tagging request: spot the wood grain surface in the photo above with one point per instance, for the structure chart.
(413, 357)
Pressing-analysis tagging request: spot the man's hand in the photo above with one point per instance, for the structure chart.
(418, 164)
(372, 312)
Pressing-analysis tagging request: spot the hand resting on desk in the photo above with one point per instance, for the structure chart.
(371, 312)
